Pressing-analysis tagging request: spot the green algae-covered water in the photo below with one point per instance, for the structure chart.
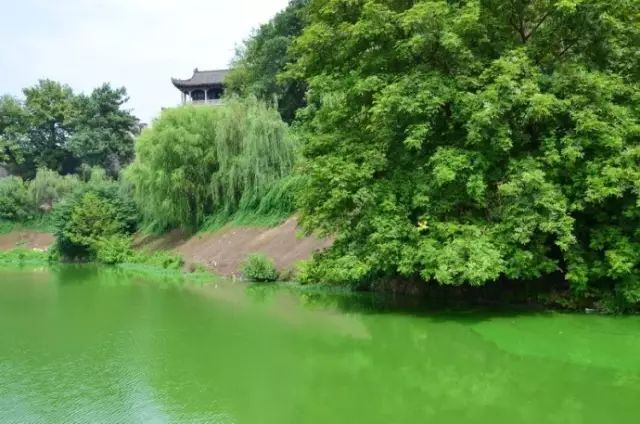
(102, 345)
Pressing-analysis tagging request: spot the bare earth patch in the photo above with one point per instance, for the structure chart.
(224, 251)
(26, 238)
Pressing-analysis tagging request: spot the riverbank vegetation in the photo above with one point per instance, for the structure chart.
(196, 168)
(469, 145)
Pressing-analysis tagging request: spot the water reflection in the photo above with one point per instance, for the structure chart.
(90, 344)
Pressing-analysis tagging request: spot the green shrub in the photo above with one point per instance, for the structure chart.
(114, 249)
(118, 193)
(82, 223)
(327, 267)
(48, 188)
(100, 208)
(304, 272)
(260, 268)
(14, 201)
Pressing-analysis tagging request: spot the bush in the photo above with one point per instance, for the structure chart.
(260, 268)
(114, 249)
(82, 223)
(14, 202)
(119, 194)
(100, 209)
(48, 188)
(327, 267)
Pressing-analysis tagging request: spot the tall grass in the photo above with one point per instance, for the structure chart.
(200, 164)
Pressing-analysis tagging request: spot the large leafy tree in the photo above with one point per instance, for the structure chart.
(264, 56)
(465, 141)
(103, 130)
(48, 108)
(57, 129)
(11, 130)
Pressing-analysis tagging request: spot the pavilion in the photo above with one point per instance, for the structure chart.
(202, 87)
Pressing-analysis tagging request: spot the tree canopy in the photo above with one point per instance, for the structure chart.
(264, 56)
(465, 141)
(57, 129)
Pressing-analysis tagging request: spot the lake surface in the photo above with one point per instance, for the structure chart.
(102, 345)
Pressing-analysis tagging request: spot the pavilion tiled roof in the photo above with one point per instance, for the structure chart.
(202, 78)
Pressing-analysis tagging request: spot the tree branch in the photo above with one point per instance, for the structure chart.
(537, 26)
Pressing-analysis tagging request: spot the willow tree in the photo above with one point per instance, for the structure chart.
(198, 161)
(471, 140)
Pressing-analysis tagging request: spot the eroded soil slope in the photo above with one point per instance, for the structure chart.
(25, 238)
(224, 251)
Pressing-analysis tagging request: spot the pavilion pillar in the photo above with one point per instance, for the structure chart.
(205, 95)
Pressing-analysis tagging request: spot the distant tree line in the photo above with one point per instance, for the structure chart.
(54, 127)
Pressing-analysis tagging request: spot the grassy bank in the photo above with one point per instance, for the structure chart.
(141, 261)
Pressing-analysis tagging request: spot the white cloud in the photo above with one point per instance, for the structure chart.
(136, 43)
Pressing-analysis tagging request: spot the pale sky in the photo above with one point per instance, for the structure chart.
(139, 44)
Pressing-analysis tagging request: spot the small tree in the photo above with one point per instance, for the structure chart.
(90, 220)
(94, 218)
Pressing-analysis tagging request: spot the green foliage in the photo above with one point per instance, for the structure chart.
(468, 141)
(44, 127)
(48, 188)
(57, 129)
(21, 255)
(158, 259)
(116, 249)
(118, 193)
(94, 216)
(39, 223)
(259, 268)
(11, 134)
(264, 56)
(103, 130)
(199, 161)
(14, 200)
(113, 249)
(277, 204)
(90, 220)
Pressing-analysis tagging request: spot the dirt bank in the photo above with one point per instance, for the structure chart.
(224, 251)
(25, 238)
